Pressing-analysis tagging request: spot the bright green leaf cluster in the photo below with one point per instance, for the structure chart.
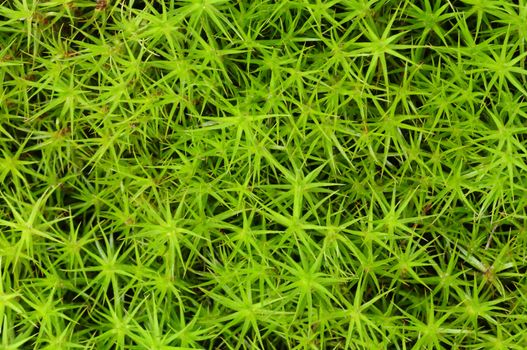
(295, 174)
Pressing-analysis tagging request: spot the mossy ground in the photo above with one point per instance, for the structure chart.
(295, 174)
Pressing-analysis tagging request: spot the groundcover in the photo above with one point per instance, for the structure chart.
(293, 174)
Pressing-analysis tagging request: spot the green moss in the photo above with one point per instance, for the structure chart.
(262, 175)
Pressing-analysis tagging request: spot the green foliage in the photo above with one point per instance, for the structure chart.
(211, 174)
